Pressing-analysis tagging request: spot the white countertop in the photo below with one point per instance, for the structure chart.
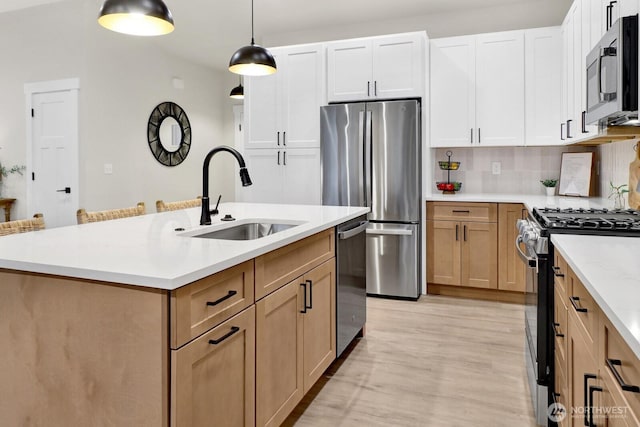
(529, 200)
(609, 269)
(147, 251)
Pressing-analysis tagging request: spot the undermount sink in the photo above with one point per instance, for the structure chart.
(247, 231)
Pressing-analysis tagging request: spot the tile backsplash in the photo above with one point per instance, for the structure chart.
(522, 168)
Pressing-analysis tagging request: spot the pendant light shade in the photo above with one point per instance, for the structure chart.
(237, 92)
(136, 17)
(252, 60)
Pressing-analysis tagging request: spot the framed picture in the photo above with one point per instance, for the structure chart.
(576, 170)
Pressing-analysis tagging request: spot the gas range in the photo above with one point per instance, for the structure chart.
(613, 222)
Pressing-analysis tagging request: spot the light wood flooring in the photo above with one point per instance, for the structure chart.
(440, 361)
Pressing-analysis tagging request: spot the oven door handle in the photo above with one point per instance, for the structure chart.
(531, 262)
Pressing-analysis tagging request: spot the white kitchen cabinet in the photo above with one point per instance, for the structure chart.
(543, 68)
(376, 68)
(477, 90)
(283, 176)
(282, 109)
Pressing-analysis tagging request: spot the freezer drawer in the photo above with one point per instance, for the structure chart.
(393, 254)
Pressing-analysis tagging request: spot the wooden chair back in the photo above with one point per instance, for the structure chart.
(162, 206)
(85, 217)
(22, 225)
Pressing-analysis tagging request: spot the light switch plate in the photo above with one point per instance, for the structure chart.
(496, 168)
(108, 168)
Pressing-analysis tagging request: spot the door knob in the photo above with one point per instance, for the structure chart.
(66, 190)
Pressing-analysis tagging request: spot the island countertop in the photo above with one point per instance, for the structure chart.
(148, 251)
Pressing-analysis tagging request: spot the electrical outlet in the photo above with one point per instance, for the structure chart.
(108, 168)
(496, 168)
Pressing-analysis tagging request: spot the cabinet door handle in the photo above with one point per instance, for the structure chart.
(479, 137)
(584, 122)
(284, 138)
(278, 139)
(587, 402)
(612, 363)
(562, 138)
(284, 158)
(464, 233)
(233, 330)
(375, 88)
(608, 17)
(574, 303)
(304, 303)
(569, 128)
(472, 135)
(368, 88)
(555, 330)
(592, 389)
(456, 232)
(556, 272)
(278, 157)
(224, 298)
(310, 283)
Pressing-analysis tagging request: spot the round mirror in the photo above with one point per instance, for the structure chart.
(169, 134)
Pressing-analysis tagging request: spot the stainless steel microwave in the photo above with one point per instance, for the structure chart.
(612, 76)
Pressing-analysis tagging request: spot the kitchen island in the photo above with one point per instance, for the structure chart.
(137, 322)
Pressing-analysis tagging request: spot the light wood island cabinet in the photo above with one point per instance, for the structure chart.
(598, 381)
(95, 353)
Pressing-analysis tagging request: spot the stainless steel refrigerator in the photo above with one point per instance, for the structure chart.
(371, 156)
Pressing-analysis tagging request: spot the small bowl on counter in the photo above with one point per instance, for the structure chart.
(449, 186)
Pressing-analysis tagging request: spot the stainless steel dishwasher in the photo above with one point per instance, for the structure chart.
(351, 292)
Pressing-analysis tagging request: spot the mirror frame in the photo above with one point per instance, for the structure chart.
(162, 155)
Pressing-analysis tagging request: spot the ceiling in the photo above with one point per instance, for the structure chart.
(209, 31)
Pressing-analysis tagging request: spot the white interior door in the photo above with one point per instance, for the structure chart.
(54, 151)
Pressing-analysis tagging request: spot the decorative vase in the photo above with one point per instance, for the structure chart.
(618, 201)
(551, 191)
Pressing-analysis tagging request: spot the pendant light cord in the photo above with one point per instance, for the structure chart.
(252, 40)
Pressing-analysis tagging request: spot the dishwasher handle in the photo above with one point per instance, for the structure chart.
(347, 234)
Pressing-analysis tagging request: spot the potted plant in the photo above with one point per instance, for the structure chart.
(5, 172)
(550, 185)
(617, 194)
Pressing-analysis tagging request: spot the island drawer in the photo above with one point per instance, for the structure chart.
(621, 366)
(560, 273)
(201, 305)
(485, 212)
(279, 267)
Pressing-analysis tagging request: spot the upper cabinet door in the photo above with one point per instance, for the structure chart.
(543, 68)
(452, 93)
(350, 70)
(398, 64)
(500, 88)
(262, 108)
(302, 94)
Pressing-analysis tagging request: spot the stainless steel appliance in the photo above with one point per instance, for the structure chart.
(612, 76)
(371, 157)
(351, 292)
(536, 250)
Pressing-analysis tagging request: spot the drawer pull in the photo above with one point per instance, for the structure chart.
(555, 330)
(592, 389)
(224, 298)
(574, 303)
(587, 403)
(456, 211)
(612, 363)
(233, 330)
(556, 272)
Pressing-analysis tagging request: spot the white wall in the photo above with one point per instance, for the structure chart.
(122, 78)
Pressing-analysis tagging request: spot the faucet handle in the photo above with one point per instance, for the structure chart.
(215, 210)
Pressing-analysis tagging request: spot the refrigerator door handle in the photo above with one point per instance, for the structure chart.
(390, 232)
(367, 159)
(364, 181)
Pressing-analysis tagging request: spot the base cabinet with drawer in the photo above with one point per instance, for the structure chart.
(462, 244)
(599, 380)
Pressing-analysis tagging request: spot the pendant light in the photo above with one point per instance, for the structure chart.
(238, 91)
(252, 60)
(136, 17)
